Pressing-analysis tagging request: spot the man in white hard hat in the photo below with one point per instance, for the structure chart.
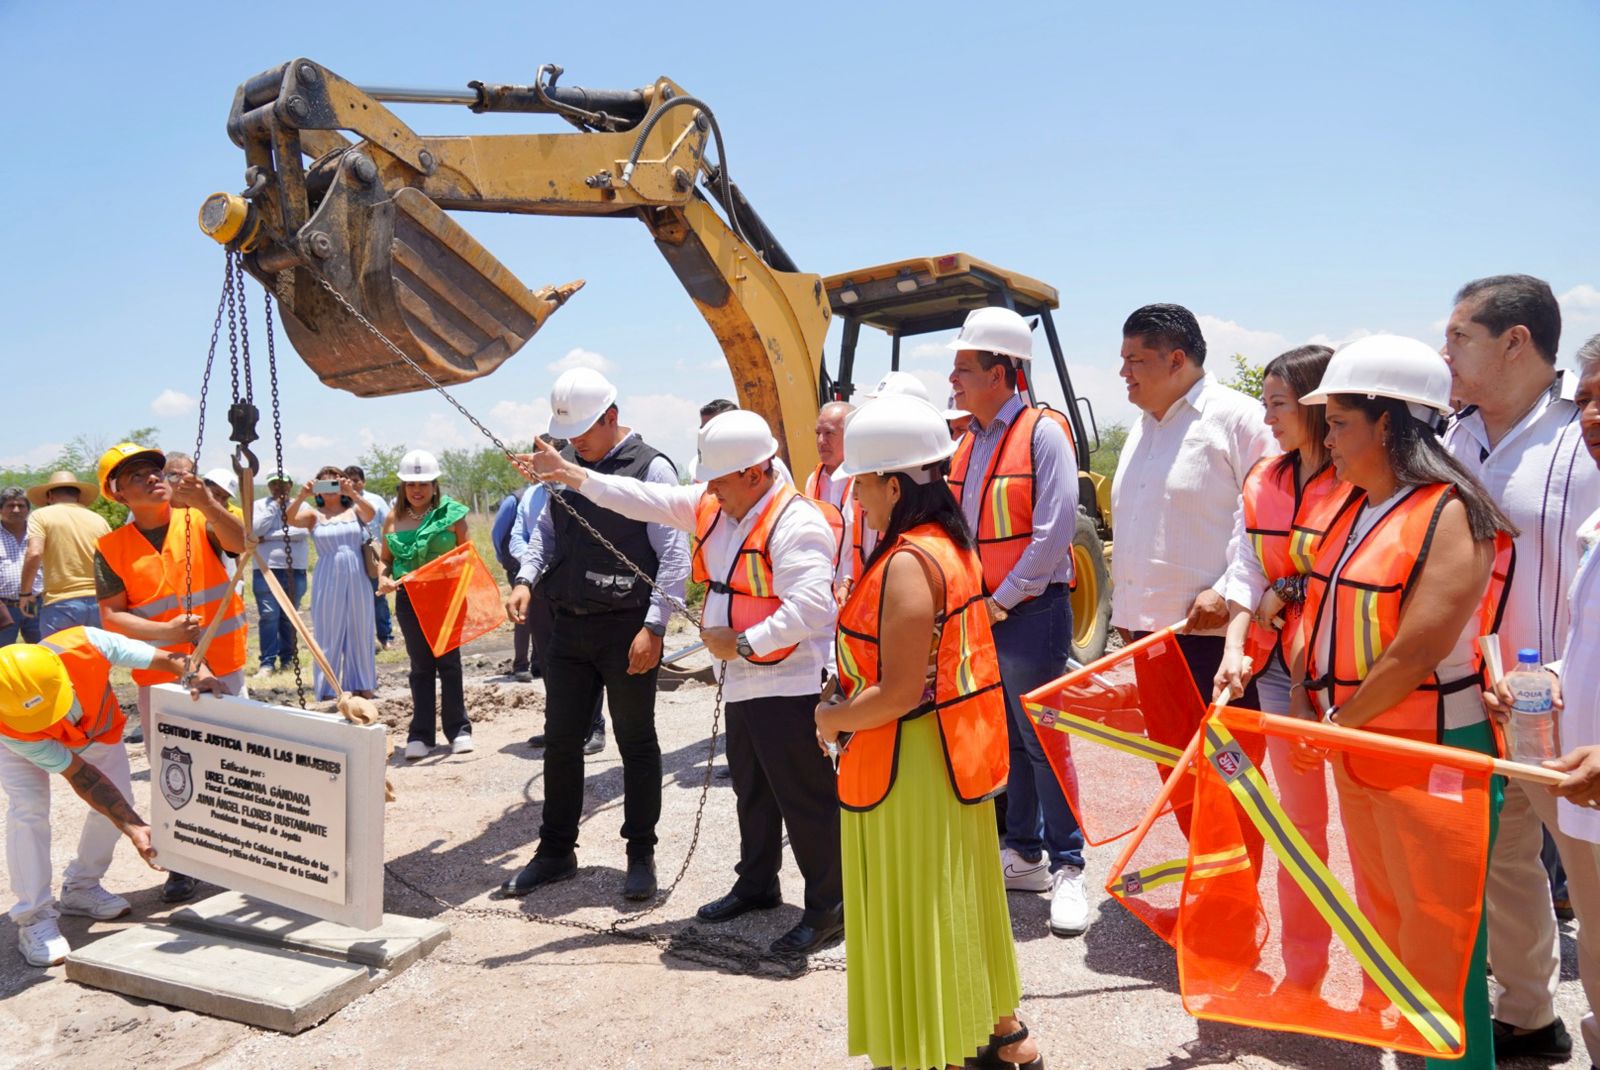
(1016, 477)
(607, 635)
(716, 407)
(62, 531)
(1519, 435)
(766, 554)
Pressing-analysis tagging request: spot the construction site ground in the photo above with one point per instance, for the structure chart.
(510, 990)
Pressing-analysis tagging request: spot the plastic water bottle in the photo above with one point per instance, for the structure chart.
(1533, 721)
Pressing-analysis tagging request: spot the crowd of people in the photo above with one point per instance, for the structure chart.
(1331, 551)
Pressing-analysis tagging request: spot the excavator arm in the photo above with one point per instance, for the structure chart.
(366, 215)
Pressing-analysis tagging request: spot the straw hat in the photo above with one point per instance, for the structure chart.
(87, 492)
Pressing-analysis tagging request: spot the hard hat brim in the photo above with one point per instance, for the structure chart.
(960, 343)
(944, 453)
(111, 476)
(1320, 397)
(572, 428)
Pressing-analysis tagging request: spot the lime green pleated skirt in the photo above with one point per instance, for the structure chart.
(930, 958)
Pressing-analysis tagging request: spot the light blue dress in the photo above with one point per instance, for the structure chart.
(342, 608)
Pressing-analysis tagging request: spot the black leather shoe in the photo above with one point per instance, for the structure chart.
(731, 906)
(536, 742)
(1547, 1042)
(804, 939)
(640, 883)
(178, 889)
(544, 869)
(595, 743)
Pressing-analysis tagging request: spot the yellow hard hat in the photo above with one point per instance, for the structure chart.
(35, 691)
(122, 451)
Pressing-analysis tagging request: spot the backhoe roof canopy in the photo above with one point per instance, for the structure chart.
(932, 293)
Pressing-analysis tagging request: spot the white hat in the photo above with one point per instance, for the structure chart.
(418, 466)
(225, 478)
(580, 397)
(909, 385)
(731, 442)
(895, 433)
(995, 330)
(1388, 366)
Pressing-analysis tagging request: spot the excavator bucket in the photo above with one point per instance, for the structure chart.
(398, 264)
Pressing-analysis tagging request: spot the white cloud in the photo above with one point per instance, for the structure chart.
(1580, 316)
(927, 353)
(1582, 297)
(582, 358)
(171, 403)
(1225, 337)
(33, 456)
(666, 421)
(442, 431)
(312, 442)
(519, 421)
(1334, 342)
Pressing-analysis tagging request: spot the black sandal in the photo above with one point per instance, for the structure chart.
(988, 1056)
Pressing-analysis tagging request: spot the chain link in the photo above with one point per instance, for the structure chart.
(227, 302)
(244, 342)
(277, 447)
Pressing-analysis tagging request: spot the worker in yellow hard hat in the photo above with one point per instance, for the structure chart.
(58, 714)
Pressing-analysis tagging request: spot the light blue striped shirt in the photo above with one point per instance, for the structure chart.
(1048, 558)
(53, 756)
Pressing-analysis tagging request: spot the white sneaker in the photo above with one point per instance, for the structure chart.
(462, 744)
(416, 749)
(42, 944)
(1069, 908)
(1022, 875)
(93, 902)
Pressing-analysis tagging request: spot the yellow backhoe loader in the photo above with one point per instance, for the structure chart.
(345, 218)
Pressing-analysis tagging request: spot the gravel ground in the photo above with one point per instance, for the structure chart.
(518, 991)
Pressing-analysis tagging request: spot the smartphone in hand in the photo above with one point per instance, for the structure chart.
(325, 486)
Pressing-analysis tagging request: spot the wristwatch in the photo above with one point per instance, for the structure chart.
(742, 645)
(520, 582)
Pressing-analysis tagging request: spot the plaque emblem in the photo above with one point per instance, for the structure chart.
(177, 781)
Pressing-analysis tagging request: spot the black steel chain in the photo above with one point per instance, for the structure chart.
(277, 447)
(244, 343)
(227, 302)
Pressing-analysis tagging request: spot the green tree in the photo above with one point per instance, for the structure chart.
(1246, 376)
(1104, 460)
(380, 463)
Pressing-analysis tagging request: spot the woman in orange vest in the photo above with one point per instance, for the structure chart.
(1402, 587)
(920, 740)
(1289, 503)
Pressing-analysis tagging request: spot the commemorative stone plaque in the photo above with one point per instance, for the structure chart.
(278, 803)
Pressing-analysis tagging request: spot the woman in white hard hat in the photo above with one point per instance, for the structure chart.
(933, 977)
(1399, 593)
(424, 524)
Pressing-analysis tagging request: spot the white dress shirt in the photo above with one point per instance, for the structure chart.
(268, 527)
(1541, 475)
(1580, 675)
(801, 550)
(1178, 483)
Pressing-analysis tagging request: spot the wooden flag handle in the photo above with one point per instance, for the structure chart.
(294, 618)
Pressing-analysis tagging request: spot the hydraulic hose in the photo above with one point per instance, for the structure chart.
(649, 124)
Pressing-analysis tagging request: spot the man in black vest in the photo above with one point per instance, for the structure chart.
(607, 636)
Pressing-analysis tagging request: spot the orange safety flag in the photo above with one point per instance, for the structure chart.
(455, 599)
(1359, 922)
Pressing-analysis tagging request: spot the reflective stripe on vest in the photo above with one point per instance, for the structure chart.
(101, 718)
(154, 582)
(965, 693)
(834, 514)
(748, 585)
(1368, 600)
(1005, 519)
(1285, 527)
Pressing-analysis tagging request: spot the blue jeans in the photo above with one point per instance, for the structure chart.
(68, 613)
(278, 639)
(27, 628)
(380, 614)
(1033, 644)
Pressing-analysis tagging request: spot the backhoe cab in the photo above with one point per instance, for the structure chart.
(921, 296)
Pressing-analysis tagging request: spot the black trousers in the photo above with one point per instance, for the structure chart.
(1204, 655)
(588, 655)
(523, 650)
(780, 777)
(424, 668)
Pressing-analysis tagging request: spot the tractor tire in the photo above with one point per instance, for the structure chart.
(1091, 593)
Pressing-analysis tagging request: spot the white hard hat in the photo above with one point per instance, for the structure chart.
(995, 330)
(1388, 366)
(580, 397)
(224, 478)
(418, 466)
(909, 385)
(731, 442)
(895, 433)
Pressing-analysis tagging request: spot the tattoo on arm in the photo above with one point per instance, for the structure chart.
(93, 787)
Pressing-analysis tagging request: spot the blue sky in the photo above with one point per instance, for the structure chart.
(1289, 172)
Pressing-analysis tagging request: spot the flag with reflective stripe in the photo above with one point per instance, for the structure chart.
(1112, 731)
(1361, 920)
(455, 598)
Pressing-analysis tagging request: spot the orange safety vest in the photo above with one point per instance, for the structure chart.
(155, 584)
(90, 673)
(965, 690)
(835, 516)
(1005, 521)
(1367, 602)
(748, 585)
(1286, 527)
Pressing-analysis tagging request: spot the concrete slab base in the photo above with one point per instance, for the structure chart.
(393, 946)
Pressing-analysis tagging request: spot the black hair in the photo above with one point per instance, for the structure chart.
(924, 503)
(987, 360)
(1507, 301)
(14, 492)
(1418, 458)
(716, 407)
(353, 471)
(1301, 371)
(1168, 327)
